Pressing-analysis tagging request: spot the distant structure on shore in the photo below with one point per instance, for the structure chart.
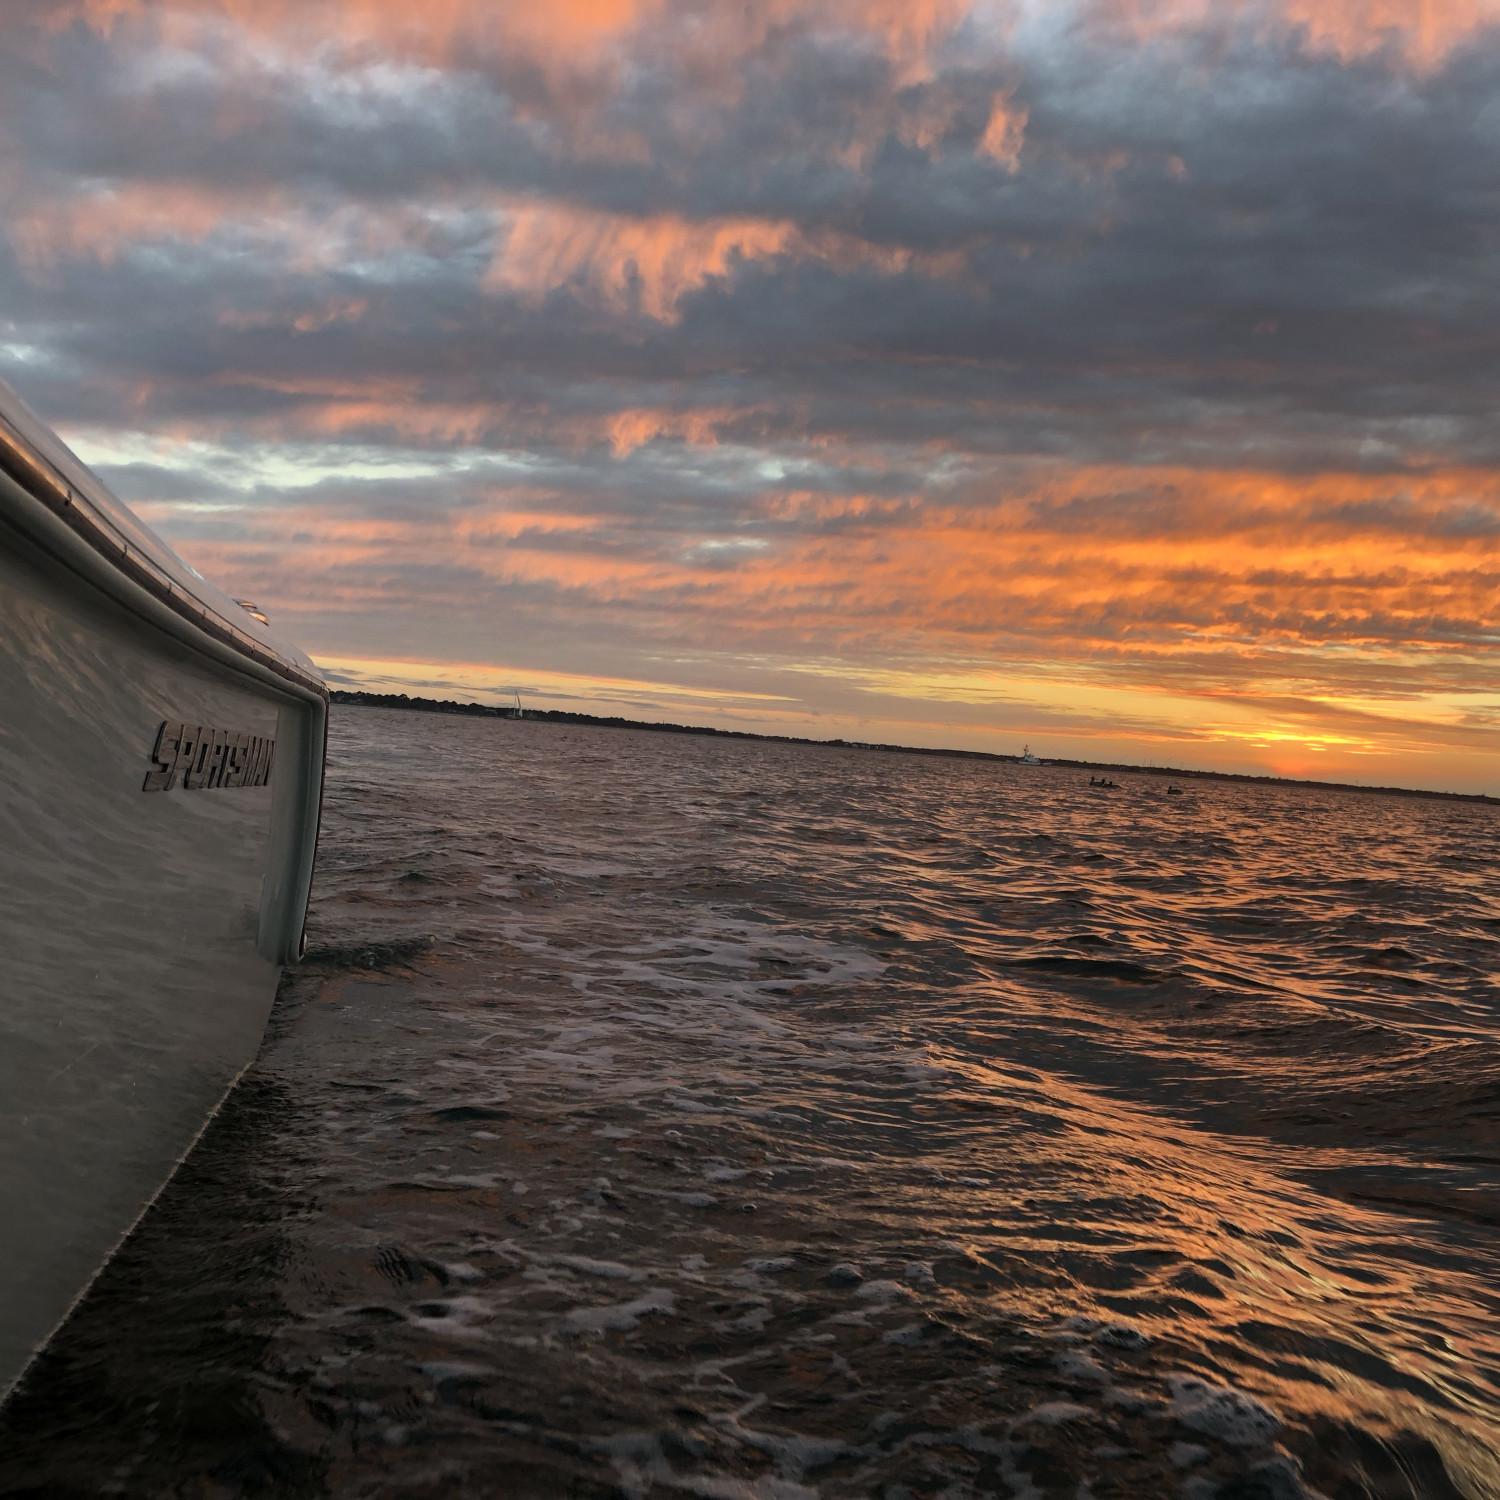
(562, 716)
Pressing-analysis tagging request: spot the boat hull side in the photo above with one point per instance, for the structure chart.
(141, 932)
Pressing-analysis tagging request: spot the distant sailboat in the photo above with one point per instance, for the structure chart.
(518, 712)
(1027, 758)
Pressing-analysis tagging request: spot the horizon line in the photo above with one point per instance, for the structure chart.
(359, 697)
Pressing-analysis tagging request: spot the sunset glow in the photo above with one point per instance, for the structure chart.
(1113, 378)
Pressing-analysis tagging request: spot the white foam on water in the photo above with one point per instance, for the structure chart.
(1222, 1411)
(753, 1320)
(884, 1292)
(1076, 1365)
(1054, 1413)
(642, 1467)
(749, 1281)
(619, 1317)
(463, 1318)
(1186, 1455)
(908, 1336)
(793, 1455)
(609, 1269)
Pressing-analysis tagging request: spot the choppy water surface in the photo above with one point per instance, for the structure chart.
(772, 1121)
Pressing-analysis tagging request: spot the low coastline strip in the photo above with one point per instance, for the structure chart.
(364, 699)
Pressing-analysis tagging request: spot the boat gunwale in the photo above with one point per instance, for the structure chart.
(46, 483)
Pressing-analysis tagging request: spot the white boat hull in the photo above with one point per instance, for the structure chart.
(142, 927)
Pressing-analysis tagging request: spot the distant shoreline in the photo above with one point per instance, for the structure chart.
(558, 716)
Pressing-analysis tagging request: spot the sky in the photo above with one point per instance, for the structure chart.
(1112, 377)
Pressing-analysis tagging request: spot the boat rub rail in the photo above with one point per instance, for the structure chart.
(41, 479)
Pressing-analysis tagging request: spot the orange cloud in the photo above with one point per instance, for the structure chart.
(580, 32)
(618, 259)
(622, 262)
(1425, 31)
(434, 30)
(356, 407)
(101, 222)
(1005, 132)
(637, 426)
(1260, 569)
(653, 262)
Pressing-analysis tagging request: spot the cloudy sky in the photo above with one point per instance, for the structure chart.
(1111, 376)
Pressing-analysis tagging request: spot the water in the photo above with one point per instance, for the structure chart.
(664, 1116)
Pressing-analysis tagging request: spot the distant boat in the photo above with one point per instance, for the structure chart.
(161, 768)
(1027, 758)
